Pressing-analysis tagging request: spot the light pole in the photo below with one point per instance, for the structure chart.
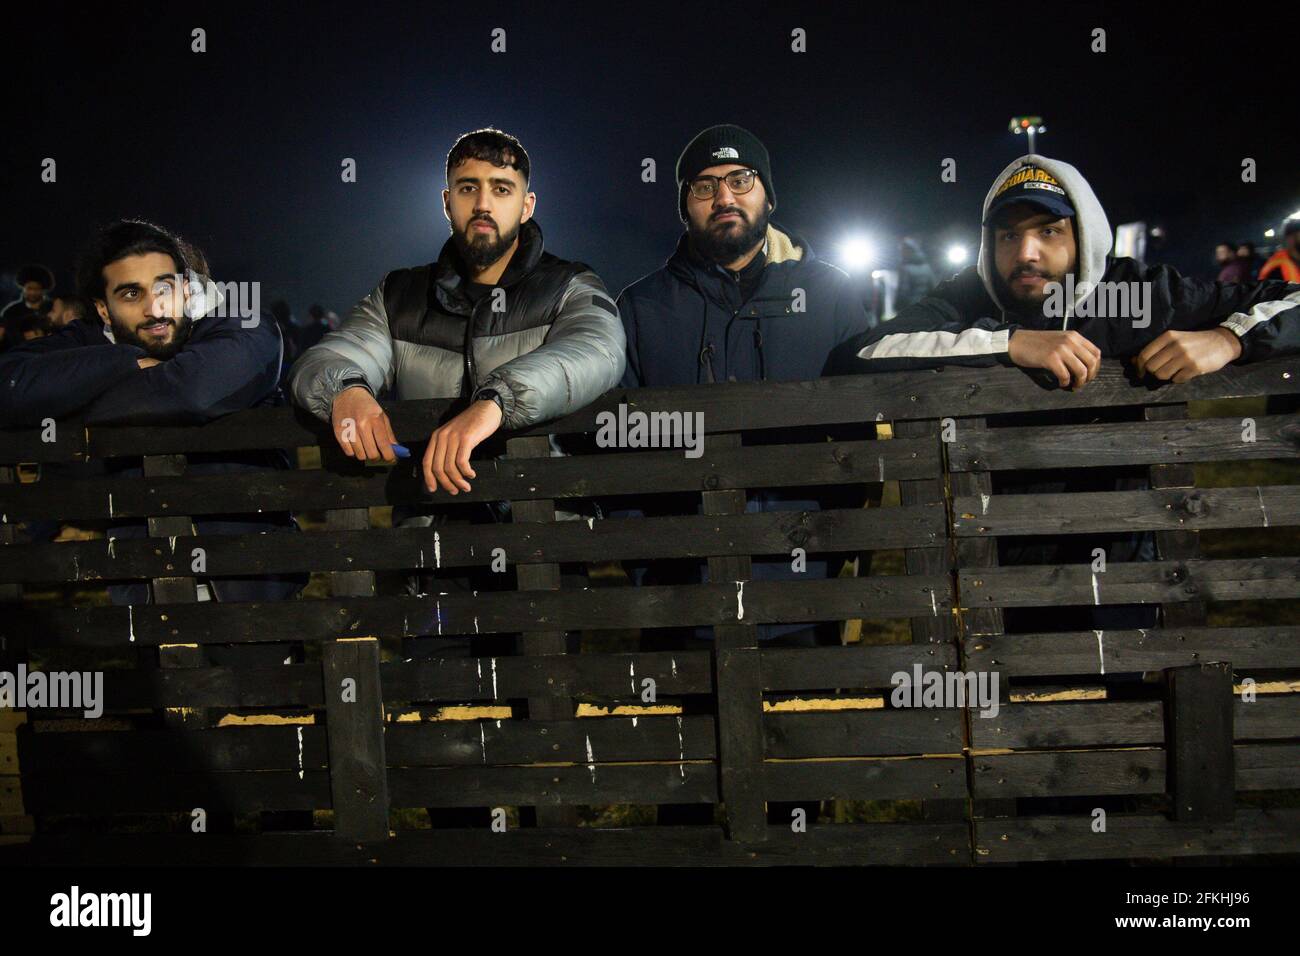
(1028, 125)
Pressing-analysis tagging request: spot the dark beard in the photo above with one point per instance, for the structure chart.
(481, 251)
(729, 245)
(125, 335)
(1028, 308)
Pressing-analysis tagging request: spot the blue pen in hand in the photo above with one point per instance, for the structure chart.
(402, 451)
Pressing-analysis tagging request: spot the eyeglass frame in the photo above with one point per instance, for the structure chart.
(690, 185)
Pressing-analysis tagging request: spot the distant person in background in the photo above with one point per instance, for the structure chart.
(1247, 254)
(283, 316)
(66, 306)
(915, 276)
(314, 330)
(1231, 269)
(1285, 263)
(35, 282)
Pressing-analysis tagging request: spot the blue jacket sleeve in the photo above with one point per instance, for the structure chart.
(224, 370)
(54, 376)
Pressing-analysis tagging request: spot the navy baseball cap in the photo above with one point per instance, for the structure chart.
(1035, 186)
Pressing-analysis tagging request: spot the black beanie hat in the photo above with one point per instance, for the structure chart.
(717, 146)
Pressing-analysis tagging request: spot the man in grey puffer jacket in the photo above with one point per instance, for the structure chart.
(520, 334)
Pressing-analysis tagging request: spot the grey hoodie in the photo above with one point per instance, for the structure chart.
(1091, 230)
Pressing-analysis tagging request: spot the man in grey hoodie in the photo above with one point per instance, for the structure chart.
(1045, 294)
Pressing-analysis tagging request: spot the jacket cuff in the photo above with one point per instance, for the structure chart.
(335, 381)
(1235, 327)
(508, 403)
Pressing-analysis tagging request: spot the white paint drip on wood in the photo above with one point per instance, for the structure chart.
(130, 622)
(591, 760)
(1096, 589)
(300, 767)
(1101, 652)
(740, 600)
(1263, 510)
(437, 550)
(681, 748)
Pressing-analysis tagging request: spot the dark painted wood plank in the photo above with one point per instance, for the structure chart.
(386, 549)
(355, 723)
(1162, 439)
(1198, 715)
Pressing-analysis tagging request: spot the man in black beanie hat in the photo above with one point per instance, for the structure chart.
(739, 300)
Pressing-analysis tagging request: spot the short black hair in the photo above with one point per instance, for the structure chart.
(492, 146)
(1231, 245)
(1247, 245)
(35, 272)
(71, 301)
(126, 237)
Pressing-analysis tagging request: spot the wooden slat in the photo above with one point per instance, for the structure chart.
(500, 611)
(1165, 582)
(738, 676)
(892, 844)
(762, 466)
(1114, 652)
(541, 576)
(1180, 510)
(1166, 440)
(1198, 715)
(385, 549)
(848, 733)
(358, 775)
(1030, 839)
(930, 393)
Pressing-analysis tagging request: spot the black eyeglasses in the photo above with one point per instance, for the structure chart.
(739, 181)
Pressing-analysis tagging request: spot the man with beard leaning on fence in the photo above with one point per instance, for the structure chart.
(437, 331)
(1045, 233)
(159, 353)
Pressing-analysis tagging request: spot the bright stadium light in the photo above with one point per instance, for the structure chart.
(1269, 233)
(957, 255)
(857, 253)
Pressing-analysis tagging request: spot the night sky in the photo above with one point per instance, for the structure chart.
(239, 148)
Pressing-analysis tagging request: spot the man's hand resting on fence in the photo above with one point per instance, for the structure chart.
(1179, 356)
(361, 426)
(446, 460)
(1067, 355)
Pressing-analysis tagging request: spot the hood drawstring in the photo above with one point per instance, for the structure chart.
(707, 361)
(706, 349)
